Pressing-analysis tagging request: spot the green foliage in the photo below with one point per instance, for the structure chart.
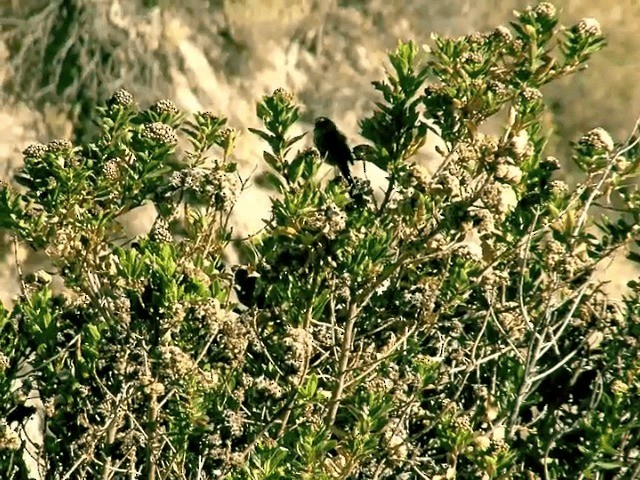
(453, 327)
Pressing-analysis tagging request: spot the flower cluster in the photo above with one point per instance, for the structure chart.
(330, 220)
(121, 98)
(161, 133)
(9, 438)
(165, 107)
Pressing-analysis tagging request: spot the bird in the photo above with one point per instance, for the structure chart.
(247, 289)
(333, 146)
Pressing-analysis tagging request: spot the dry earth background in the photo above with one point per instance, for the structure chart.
(222, 55)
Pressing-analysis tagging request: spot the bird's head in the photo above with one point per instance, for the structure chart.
(324, 124)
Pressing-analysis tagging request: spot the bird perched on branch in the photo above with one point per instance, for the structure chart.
(333, 147)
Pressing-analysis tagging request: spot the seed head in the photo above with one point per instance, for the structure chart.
(531, 94)
(122, 98)
(59, 146)
(520, 144)
(165, 107)
(509, 173)
(160, 132)
(558, 188)
(111, 169)
(545, 10)
(35, 150)
(597, 139)
(283, 94)
(160, 232)
(589, 27)
(503, 34)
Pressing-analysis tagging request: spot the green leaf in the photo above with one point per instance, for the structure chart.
(609, 465)
(271, 160)
(308, 390)
(294, 169)
(295, 139)
(94, 332)
(262, 134)
(634, 256)
(319, 304)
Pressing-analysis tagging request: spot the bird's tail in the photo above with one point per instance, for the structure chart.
(346, 173)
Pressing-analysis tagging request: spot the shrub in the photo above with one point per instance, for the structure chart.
(451, 326)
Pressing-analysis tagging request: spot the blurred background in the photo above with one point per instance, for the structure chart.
(58, 58)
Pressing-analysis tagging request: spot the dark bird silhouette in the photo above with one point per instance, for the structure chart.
(246, 287)
(333, 147)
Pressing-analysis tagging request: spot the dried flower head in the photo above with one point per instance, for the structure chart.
(502, 34)
(329, 220)
(300, 343)
(500, 198)
(269, 387)
(222, 188)
(111, 169)
(160, 231)
(4, 362)
(192, 178)
(463, 422)
(508, 199)
(437, 242)
(618, 387)
(481, 442)
(531, 94)
(160, 132)
(545, 10)
(484, 221)
(395, 437)
(177, 363)
(476, 38)
(420, 175)
(589, 27)
(519, 145)
(227, 133)
(59, 146)
(449, 184)
(212, 314)
(283, 94)
(471, 58)
(121, 98)
(554, 250)
(35, 150)
(509, 173)
(558, 188)
(209, 116)
(470, 250)
(122, 309)
(234, 421)
(152, 387)
(9, 438)
(497, 88)
(235, 336)
(165, 107)
(597, 140)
